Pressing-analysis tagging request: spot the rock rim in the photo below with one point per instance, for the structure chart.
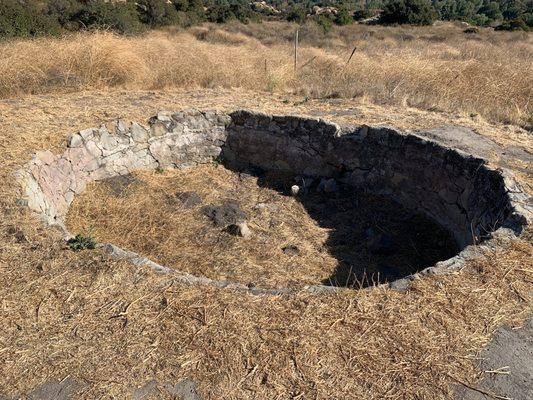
(482, 206)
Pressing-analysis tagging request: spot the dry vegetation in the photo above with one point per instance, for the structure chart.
(439, 68)
(116, 327)
(62, 313)
(144, 213)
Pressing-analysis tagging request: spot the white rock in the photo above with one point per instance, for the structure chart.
(138, 133)
(295, 189)
(75, 140)
(240, 229)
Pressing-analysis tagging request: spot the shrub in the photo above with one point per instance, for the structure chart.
(80, 242)
(528, 19)
(324, 21)
(121, 17)
(296, 14)
(25, 19)
(157, 13)
(343, 17)
(517, 24)
(415, 12)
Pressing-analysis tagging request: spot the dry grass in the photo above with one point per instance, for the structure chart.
(144, 214)
(440, 67)
(60, 311)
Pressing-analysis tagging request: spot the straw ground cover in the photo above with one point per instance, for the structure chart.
(439, 68)
(84, 315)
(153, 214)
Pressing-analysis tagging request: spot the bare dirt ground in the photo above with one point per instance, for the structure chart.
(82, 316)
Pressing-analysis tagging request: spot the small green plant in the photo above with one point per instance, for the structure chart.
(80, 242)
(159, 170)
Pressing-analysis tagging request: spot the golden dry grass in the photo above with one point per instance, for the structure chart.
(144, 213)
(62, 312)
(439, 67)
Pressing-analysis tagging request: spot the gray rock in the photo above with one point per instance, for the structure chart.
(401, 285)
(75, 140)
(266, 206)
(189, 199)
(228, 213)
(328, 186)
(184, 390)
(138, 133)
(66, 389)
(379, 243)
(240, 229)
(291, 250)
(510, 352)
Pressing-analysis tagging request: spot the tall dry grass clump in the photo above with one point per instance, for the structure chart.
(439, 67)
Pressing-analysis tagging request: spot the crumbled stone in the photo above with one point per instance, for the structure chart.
(459, 191)
(227, 213)
(240, 229)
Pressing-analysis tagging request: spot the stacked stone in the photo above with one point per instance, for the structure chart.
(176, 140)
(458, 190)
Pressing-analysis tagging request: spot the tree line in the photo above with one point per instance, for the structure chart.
(27, 18)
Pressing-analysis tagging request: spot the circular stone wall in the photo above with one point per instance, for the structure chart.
(458, 191)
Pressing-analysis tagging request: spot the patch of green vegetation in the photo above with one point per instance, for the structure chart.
(414, 12)
(80, 242)
(27, 18)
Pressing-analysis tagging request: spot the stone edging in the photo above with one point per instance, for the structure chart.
(304, 145)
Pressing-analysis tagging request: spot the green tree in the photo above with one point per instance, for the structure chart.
(157, 13)
(343, 17)
(492, 11)
(23, 19)
(121, 17)
(415, 12)
(296, 14)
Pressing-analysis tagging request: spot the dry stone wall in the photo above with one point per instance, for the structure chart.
(454, 188)
(176, 140)
(457, 190)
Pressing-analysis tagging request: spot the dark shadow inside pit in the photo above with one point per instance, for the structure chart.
(374, 238)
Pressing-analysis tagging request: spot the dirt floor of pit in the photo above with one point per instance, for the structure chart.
(341, 238)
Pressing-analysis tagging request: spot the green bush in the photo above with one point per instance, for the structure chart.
(81, 242)
(296, 14)
(528, 19)
(517, 24)
(324, 21)
(157, 13)
(415, 12)
(343, 17)
(121, 17)
(25, 19)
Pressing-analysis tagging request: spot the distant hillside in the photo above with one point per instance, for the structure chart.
(25, 18)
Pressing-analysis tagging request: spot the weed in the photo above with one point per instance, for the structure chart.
(80, 242)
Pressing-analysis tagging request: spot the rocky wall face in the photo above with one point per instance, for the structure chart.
(177, 140)
(455, 189)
